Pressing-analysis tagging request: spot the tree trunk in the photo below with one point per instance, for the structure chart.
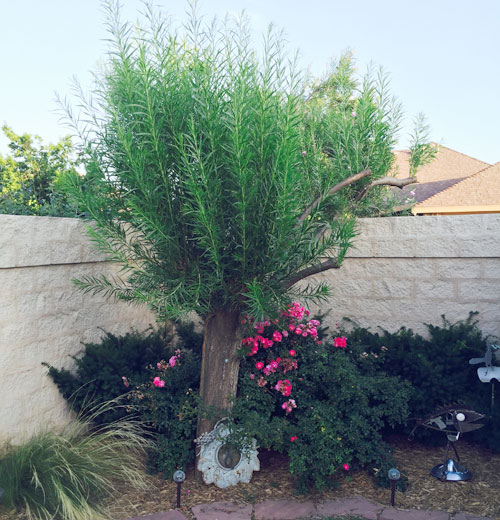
(219, 366)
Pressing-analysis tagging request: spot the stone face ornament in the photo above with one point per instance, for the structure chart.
(224, 465)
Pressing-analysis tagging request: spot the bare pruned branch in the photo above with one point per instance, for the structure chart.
(330, 263)
(386, 181)
(346, 182)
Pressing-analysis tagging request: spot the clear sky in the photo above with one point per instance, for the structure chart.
(443, 56)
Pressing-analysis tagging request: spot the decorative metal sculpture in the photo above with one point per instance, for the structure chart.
(222, 464)
(488, 373)
(452, 420)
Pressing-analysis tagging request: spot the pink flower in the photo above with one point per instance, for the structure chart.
(293, 438)
(292, 352)
(158, 382)
(259, 365)
(266, 343)
(340, 342)
(285, 333)
(125, 381)
(172, 361)
(277, 336)
(252, 376)
(346, 467)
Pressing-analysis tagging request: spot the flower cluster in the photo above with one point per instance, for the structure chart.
(285, 335)
(276, 347)
(163, 366)
(289, 405)
(340, 342)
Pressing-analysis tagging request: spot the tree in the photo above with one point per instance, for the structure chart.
(219, 179)
(30, 176)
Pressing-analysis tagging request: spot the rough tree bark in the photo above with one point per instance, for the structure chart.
(220, 365)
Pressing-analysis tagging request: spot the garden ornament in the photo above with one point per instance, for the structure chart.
(452, 420)
(488, 373)
(222, 464)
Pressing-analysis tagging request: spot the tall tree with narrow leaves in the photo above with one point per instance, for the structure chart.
(218, 178)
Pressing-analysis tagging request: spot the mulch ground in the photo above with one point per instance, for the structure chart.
(479, 497)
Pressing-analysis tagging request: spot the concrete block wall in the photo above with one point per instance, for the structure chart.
(407, 271)
(44, 318)
(402, 271)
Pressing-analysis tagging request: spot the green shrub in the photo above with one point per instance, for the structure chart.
(339, 411)
(101, 367)
(168, 401)
(66, 476)
(437, 368)
(128, 364)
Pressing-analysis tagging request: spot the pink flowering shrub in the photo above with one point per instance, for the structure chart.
(300, 392)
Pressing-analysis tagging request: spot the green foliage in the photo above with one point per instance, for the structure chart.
(32, 175)
(437, 368)
(422, 152)
(166, 412)
(340, 411)
(170, 411)
(66, 476)
(209, 165)
(100, 368)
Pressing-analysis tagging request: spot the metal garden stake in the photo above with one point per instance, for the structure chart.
(179, 477)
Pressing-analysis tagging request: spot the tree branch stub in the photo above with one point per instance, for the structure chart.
(341, 185)
(330, 263)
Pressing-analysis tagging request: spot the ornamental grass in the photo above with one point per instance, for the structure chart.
(68, 475)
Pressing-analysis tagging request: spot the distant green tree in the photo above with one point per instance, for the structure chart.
(30, 176)
(218, 179)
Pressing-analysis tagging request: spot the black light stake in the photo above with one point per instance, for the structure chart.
(179, 477)
(394, 476)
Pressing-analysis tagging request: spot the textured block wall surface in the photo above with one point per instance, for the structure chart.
(402, 271)
(44, 318)
(407, 271)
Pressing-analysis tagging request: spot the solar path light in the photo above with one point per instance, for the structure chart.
(179, 477)
(394, 475)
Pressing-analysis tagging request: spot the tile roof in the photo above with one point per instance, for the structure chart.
(423, 190)
(448, 164)
(478, 193)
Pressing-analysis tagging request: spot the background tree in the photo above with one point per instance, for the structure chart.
(218, 178)
(31, 175)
